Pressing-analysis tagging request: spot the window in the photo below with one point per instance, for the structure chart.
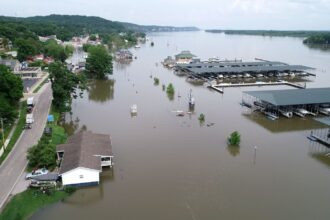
(81, 176)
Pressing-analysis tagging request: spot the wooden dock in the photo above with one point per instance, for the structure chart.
(218, 87)
(321, 140)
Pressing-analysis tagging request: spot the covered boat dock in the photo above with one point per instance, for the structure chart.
(242, 69)
(322, 135)
(300, 102)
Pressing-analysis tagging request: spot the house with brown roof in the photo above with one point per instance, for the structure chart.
(83, 157)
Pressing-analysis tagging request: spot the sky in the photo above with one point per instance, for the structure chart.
(205, 14)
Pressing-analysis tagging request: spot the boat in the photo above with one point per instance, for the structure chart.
(259, 75)
(220, 76)
(271, 115)
(292, 75)
(325, 111)
(246, 75)
(239, 76)
(191, 100)
(134, 109)
(245, 104)
(287, 114)
(137, 46)
(300, 112)
(181, 114)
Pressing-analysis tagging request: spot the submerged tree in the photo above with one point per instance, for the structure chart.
(170, 91)
(234, 138)
(98, 63)
(64, 86)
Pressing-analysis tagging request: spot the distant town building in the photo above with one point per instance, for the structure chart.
(123, 54)
(12, 64)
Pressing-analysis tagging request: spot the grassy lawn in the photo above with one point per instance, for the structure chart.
(23, 205)
(18, 131)
(59, 136)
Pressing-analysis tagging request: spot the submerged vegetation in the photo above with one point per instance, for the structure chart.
(170, 91)
(156, 81)
(234, 139)
(201, 118)
(321, 39)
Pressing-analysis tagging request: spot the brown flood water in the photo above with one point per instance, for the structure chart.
(168, 167)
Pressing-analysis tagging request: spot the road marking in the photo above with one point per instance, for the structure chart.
(12, 188)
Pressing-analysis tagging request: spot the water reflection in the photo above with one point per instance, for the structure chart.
(101, 90)
(321, 47)
(284, 124)
(233, 150)
(319, 152)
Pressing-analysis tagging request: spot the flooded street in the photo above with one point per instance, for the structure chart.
(169, 167)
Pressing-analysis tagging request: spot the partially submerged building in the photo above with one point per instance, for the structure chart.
(300, 102)
(83, 157)
(230, 68)
(123, 54)
(185, 57)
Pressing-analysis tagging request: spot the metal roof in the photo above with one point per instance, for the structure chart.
(293, 96)
(243, 69)
(325, 120)
(230, 63)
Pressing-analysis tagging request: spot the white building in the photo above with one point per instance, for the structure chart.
(83, 157)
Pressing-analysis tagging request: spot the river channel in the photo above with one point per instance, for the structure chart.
(169, 167)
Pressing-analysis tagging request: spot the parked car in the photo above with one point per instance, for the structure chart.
(35, 173)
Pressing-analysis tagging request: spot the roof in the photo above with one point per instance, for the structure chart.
(185, 54)
(46, 177)
(9, 63)
(325, 120)
(293, 96)
(84, 150)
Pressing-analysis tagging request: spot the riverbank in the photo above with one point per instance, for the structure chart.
(23, 205)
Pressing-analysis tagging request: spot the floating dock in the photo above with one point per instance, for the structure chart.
(321, 140)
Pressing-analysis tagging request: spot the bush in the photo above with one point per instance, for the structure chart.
(201, 118)
(156, 81)
(234, 138)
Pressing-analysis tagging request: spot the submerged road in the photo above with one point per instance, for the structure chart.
(16, 162)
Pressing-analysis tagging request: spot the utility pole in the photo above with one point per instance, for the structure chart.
(3, 134)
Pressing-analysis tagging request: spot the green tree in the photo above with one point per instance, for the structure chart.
(234, 138)
(43, 154)
(65, 86)
(11, 90)
(98, 63)
(58, 52)
(27, 48)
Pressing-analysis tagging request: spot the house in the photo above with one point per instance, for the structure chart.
(123, 54)
(83, 157)
(185, 57)
(12, 64)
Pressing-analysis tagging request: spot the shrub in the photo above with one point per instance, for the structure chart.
(234, 138)
(156, 81)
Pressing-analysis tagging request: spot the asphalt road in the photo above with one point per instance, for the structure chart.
(15, 164)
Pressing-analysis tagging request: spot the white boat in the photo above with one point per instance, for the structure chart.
(292, 75)
(246, 75)
(134, 109)
(233, 76)
(285, 74)
(239, 76)
(191, 100)
(220, 76)
(137, 46)
(259, 75)
(325, 111)
(271, 115)
(300, 112)
(287, 114)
